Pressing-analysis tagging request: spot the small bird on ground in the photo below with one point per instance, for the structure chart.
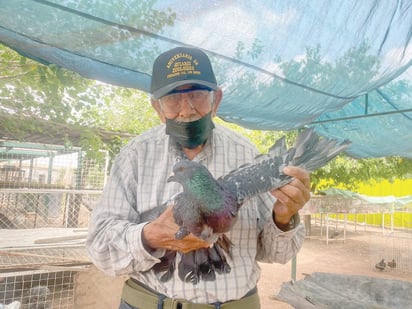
(208, 207)
(392, 264)
(381, 265)
(335, 234)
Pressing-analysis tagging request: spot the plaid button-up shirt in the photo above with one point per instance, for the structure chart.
(138, 184)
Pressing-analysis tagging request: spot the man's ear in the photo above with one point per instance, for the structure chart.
(158, 109)
(218, 94)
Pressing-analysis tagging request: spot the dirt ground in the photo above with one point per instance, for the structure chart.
(356, 255)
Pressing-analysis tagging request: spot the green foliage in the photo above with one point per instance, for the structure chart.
(121, 109)
(347, 173)
(32, 89)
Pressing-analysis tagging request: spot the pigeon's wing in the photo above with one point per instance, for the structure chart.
(247, 181)
(166, 267)
(155, 212)
(310, 152)
(262, 176)
(200, 264)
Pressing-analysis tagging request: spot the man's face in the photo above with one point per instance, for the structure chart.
(187, 103)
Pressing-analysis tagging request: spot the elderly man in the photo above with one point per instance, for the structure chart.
(186, 96)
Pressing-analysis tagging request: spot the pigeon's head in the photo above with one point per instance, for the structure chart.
(185, 170)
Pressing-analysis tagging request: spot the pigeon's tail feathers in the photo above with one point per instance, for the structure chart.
(278, 149)
(313, 151)
(308, 145)
(310, 152)
(319, 161)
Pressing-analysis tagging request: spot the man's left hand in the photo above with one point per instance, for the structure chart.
(292, 196)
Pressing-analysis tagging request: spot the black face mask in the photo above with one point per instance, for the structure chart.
(190, 134)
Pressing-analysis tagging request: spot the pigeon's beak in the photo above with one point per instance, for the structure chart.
(171, 178)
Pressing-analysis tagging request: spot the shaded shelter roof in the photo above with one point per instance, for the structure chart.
(49, 132)
(344, 68)
(46, 139)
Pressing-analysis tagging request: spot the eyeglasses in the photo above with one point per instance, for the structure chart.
(199, 99)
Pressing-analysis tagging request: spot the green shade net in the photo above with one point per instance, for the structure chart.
(283, 65)
(398, 202)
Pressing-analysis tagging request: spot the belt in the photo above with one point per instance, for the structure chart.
(135, 294)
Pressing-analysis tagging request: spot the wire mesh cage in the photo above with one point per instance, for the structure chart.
(48, 185)
(51, 167)
(37, 208)
(40, 256)
(319, 223)
(41, 275)
(47, 193)
(392, 252)
(37, 289)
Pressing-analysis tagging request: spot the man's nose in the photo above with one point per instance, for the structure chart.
(186, 109)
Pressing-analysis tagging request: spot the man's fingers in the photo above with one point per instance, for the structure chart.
(187, 244)
(298, 173)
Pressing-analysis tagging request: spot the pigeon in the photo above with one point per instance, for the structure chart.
(392, 264)
(335, 234)
(36, 298)
(208, 207)
(381, 265)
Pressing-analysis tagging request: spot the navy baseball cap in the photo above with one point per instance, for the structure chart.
(181, 66)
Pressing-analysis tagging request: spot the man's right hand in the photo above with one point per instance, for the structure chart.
(160, 233)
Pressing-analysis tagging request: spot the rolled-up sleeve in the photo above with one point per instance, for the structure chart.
(275, 245)
(114, 242)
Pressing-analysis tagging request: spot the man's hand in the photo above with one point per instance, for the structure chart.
(291, 197)
(160, 233)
